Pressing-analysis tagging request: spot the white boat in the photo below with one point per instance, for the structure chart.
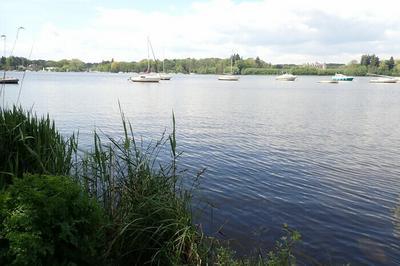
(341, 77)
(147, 76)
(229, 77)
(384, 76)
(383, 80)
(286, 77)
(163, 75)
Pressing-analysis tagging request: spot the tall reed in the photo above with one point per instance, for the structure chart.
(143, 197)
(32, 144)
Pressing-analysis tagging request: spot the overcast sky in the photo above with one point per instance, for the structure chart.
(278, 31)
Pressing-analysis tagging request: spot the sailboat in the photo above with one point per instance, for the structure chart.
(163, 75)
(147, 76)
(384, 79)
(229, 77)
(4, 79)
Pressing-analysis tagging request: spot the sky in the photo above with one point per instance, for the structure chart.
(278, 31)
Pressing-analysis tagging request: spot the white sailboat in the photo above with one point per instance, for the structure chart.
(229, 77)
(147, 76)
(383, 80)
(163, 75)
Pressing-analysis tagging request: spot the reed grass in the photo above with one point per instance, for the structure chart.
(29, 144)
(143, 197)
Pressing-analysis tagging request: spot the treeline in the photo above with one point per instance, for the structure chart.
(250, 66)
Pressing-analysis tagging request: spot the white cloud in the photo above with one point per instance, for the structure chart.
(278, 31)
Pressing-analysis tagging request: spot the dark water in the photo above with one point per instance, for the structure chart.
(323, 158)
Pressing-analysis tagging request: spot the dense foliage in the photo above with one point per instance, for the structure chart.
(48, 220)
(31, 144)
(368, 64)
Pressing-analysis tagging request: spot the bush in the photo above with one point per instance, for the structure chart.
(49, 220)
(30, 144)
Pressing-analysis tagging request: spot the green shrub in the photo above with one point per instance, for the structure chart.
(31, 144)
(49, 220)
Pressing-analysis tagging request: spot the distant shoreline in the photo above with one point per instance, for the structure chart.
(250, 66)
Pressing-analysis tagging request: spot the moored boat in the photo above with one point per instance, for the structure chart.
(165, 76)
(341, 77)
(146, 78)
(383, 76)
(286, 77)
(9, 81)
(383, 80)
(228, 77)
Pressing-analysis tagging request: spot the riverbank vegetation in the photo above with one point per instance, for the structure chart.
(116, 204)
(250, 66)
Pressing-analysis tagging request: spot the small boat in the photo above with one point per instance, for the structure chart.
(329, 81)
(9, 81)
(383, 80)
(229, 77)
(286, 77)
(341, 77)
(147, 77)
(384, 76)
(163, 75)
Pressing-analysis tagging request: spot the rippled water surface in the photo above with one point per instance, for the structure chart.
(324, 158)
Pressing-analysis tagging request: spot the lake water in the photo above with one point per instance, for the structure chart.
(324, 158)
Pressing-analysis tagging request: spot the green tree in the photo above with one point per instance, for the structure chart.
(114, 67)
(374, 61)
(365, 60)
(259, 63)
(391, 63)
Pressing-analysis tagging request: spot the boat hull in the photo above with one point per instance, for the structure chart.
(165, 77)
(228, 78)
(383, 81)
(286, 79)
(145, 79)
(329, 81)
(344, 79)
(9, 81)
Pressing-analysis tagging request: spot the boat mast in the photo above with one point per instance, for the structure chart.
(148, 56)
(231, 64)
(154, 56)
